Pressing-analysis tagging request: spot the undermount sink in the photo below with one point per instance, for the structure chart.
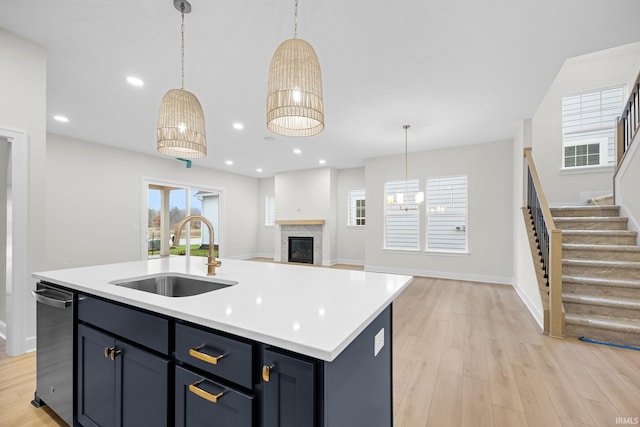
(174, 286)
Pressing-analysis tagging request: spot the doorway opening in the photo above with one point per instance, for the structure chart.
(168, 203)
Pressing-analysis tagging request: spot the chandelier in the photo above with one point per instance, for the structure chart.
(401, 200)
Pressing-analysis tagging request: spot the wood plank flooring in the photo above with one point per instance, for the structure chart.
(465, 354)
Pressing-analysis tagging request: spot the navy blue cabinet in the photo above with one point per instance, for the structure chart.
(201, 401)
(288, 391)
(119, 384)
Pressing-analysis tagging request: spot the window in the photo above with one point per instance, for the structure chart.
(270, 210)
(588, 127)
(447, 214)
(401, 228)
(356, 208)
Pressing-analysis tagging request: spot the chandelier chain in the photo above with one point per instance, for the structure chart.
(406, 161)
(182, 46)
(295, 21)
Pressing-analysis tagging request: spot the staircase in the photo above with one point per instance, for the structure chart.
(600, 274)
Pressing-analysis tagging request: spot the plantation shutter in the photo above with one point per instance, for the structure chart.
(402, 229)
(447, 200)
(270, 210)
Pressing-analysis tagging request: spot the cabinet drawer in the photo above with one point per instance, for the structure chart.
(201, 402)
(203, 349)
(142, 328)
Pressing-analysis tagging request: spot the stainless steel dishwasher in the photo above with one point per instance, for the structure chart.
(55, 350)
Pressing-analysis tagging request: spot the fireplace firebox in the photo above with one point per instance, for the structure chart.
(301, 249)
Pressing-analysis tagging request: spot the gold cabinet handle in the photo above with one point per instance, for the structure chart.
(266, 372)
(115, 353)
(193, 388)
(194, 352)
(107, 352)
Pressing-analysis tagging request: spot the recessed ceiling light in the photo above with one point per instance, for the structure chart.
(259, 170)
(228, 162)
(322, 161)
(62, 119)
(297, 151)
(134, 81)
(238, 126)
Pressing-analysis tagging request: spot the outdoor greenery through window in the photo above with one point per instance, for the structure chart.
(447, 201)
(270, 210)
(401, 228)
(170, 204)
(357, 208)
(588, 127)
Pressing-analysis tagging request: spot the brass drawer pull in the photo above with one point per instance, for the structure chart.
(193, 388)
(194, 352)
(115, 353)
(266, 372)
(107, 352)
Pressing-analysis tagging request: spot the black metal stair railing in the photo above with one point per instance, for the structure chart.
(549, 244)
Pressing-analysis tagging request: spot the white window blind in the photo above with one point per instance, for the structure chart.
(357, 208)
(270, 210)
(447, 203)
(402, 228)
(589, 119)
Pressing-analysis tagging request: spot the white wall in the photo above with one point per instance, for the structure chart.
(4, 169)
(95, 199)
(266, 233)
(23, 108)
(603, 69)
(350, 240)
(490, 172)
(524, 275)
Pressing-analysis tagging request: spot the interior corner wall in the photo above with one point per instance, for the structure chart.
(626, 188)
(490, 172)
(266, 233)
(598, 70)
(23, 108)
(524, 275)
(94, 209)
(350, 239)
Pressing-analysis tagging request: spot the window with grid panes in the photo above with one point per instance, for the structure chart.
(270, 210)
(357, 211)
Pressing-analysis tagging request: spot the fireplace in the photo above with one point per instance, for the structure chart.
(301, 249)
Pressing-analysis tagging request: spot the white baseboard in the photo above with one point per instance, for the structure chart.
(30, 345)
(351, 261)
(441, 274)
(537, 315)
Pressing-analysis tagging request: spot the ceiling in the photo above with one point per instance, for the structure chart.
(458, 71)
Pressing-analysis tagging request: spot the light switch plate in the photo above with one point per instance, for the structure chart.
(378, 342)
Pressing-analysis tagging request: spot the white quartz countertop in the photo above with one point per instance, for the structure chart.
(310, 310)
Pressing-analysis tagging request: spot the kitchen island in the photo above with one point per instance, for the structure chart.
(279, 345)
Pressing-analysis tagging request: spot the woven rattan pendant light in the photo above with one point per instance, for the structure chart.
(294, 91)
(181, 131)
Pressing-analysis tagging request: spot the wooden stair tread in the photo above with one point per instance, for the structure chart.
(602, 232)
(601, 263)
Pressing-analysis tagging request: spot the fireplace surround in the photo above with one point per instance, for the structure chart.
(301, 230)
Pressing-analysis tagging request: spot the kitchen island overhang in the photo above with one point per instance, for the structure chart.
(309, 310)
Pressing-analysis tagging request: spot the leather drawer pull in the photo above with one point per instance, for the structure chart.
(195, 352)
(193, 388)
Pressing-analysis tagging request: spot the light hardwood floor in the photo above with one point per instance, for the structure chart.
(465, 354)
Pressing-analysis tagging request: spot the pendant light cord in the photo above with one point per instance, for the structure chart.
(406, 162)
(295, 21)
(182, 45)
